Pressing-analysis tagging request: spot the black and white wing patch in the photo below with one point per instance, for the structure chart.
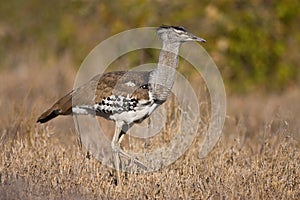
(110, 105)
(116, 104)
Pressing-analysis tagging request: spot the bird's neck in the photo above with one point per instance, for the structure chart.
(163, 77)
(169, 55)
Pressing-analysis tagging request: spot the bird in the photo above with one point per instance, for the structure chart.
(126, 97)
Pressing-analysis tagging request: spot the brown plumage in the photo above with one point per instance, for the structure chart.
(99, 88)
(127, 97)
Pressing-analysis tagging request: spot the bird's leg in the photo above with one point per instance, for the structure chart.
(126, 155)
(147, 140)
(116, 149)
(78, 131)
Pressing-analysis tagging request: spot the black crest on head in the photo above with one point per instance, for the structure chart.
(180, 28)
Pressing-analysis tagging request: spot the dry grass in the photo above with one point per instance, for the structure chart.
(256, 158)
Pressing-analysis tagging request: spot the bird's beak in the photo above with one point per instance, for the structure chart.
(199, 39)
(196, 38)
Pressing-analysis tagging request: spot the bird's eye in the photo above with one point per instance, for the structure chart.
(144, 86)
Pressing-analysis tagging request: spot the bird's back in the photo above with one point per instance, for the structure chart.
(107, 94)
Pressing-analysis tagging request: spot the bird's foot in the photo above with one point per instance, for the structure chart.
(117, 150)
(133, 159)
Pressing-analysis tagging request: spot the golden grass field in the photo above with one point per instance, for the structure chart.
(257, 156)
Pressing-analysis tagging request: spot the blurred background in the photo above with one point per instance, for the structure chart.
(254, 43)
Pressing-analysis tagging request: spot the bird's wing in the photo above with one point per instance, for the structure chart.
(128, 84)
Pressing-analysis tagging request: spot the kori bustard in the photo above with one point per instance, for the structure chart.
(128, 97)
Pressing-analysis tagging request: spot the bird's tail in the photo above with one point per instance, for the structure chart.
(83, 95)
(62, 107)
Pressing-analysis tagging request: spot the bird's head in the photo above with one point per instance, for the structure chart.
(177, 34)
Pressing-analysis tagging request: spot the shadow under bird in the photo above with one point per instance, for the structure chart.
(126, 97)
